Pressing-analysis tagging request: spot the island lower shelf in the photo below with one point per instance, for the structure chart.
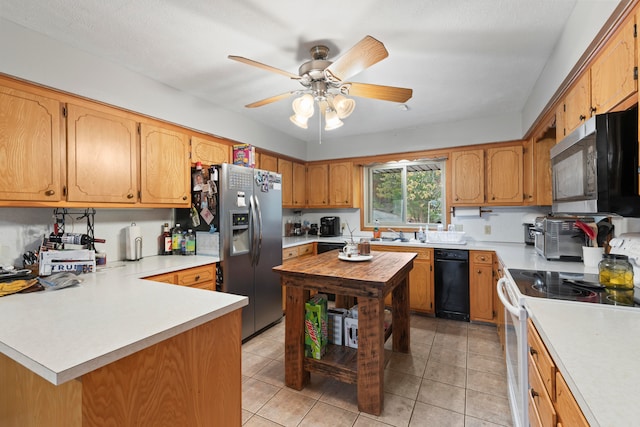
(339, 362)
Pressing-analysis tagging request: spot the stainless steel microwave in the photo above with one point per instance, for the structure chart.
(595, 168)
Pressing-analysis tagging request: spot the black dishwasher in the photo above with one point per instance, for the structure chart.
(452, 284)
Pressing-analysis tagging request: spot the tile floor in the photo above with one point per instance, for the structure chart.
(454, 376)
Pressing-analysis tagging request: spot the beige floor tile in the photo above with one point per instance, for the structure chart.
(450, 341)
(324, 415)
(317, 386)
(481, 362)
(443, 395)
(476, 422)
(252, 363)
(401, 384)
(264, 347)
(256, 393)
(397, 411)
(246, 415)
(433, 416)
(422, 336)
(424, 323)
(276, 332)
(286, 408)
(363, 421)
(448, 374)
(421, 350)
(487, 382)
(407, 363)
(258, 421)
(448, 356)
(487, 347)
(488, 407)
(342, 395)
(272, 373)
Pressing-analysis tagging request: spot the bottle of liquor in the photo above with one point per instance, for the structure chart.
(176, 240)
(74, 239)
(166, 241)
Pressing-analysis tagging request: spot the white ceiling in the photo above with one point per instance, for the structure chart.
(464, 59)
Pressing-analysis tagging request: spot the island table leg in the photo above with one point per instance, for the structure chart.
(294, 375)
(371, 355)
(400, 317)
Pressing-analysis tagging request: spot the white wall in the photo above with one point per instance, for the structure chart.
(22, 229)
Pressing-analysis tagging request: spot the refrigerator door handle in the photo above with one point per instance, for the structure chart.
(258, 249)
(254, 232)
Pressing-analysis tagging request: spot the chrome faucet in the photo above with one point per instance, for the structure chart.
(400, 234)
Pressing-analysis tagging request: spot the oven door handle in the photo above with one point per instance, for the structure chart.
(505, 300)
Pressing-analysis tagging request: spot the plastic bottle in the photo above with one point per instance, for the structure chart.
(167, 240)
(190, 243)
(421, 236)
(176, 240)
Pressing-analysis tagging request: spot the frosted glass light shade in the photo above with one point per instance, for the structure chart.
(331, 120)
(344, 106)
(299, 121)
(303, 106)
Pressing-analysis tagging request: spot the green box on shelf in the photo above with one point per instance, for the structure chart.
(315, 326)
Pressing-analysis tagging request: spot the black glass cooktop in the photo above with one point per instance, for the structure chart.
(570, 287)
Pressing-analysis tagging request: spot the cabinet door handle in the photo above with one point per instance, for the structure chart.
(184, 197)
(49, 192)
(532, 351)
(129, 196)
(197, 277)
(534, 393)
(479, 271)
(582, 117)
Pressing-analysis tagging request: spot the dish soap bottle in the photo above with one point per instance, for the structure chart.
(421, 235)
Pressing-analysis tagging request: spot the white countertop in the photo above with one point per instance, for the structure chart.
(63, 334)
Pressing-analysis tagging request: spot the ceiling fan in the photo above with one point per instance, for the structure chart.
(324, 83)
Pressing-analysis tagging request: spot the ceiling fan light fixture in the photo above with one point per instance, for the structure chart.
(344, 106)
(303, 105)
(331, 120)
(299, 121)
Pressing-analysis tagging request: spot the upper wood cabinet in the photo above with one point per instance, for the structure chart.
(467, 177)
(504, 175)
(299, 190)
(31, 147)
(560, 126)
(102, 156)
(341, 184)
(164, 173)
(285, 168)
(318, 185)
(537, 171)
(209, 152)
(267, 162)
(613, 72)
(577, 104)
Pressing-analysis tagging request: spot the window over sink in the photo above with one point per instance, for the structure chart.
(404, 193)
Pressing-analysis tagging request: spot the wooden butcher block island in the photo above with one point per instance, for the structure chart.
(369, 281)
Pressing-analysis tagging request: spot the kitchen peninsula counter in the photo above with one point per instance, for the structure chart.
(96, 333)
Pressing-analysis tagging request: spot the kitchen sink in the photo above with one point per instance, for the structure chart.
(394, 239)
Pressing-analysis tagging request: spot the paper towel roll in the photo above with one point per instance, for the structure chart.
(133, 242)
(460, 212)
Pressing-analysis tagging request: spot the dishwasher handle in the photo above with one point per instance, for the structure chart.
(505, 299)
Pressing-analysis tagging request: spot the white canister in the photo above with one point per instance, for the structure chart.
(133, 242)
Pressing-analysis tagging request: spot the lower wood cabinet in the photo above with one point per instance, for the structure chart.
(551, 403)
(294, 252)
(420, 278)
(203, 277)
(481, 287)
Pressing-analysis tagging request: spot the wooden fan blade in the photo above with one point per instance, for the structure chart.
(364, 54)
(264, 66)
(269, 100)
(385, 93)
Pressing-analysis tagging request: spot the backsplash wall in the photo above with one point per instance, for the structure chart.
(22, 229)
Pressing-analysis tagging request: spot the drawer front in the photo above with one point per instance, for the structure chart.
(423, 253)
(196, 276)
(569, 413)
(289, 253)
(542, 359)
(305, 250)
(481, 257)
(539, 398)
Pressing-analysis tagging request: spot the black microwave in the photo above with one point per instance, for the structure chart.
(595, 168)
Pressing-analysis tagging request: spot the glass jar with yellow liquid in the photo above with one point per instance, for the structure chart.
(616, 272)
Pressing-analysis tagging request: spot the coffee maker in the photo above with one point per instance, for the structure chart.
(330, 226)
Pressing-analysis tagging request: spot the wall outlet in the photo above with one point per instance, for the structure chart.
(487, 229)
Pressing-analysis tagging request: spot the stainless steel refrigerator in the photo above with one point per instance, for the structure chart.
(249, 210)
